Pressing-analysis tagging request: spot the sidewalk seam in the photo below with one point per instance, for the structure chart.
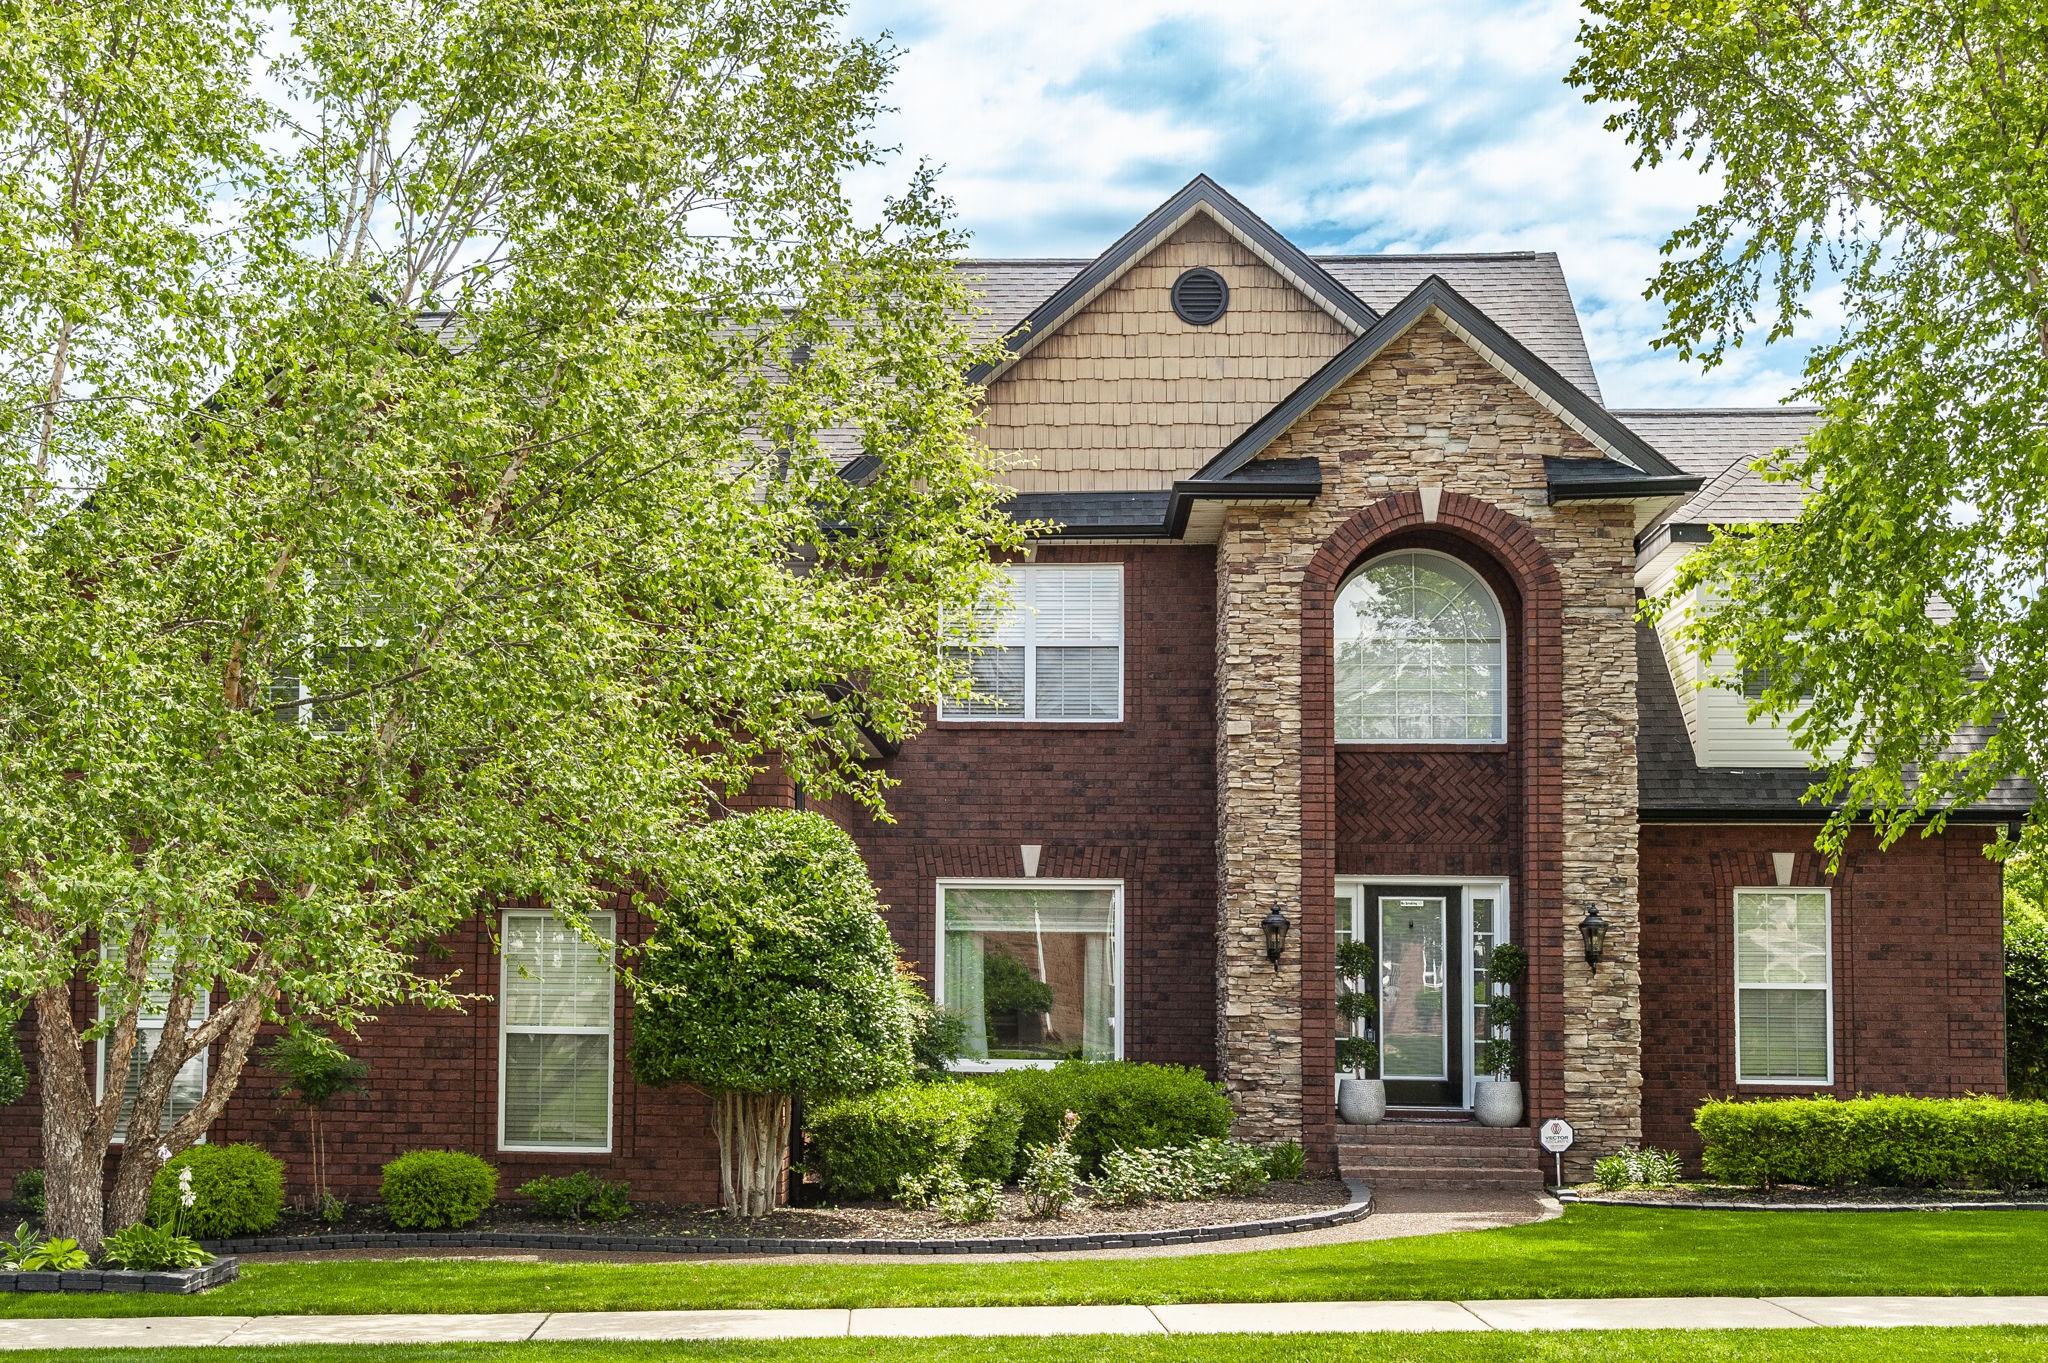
(1484, 1323)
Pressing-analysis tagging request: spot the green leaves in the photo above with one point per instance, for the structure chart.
(1892, 154)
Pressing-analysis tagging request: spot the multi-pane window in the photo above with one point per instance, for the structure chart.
(1421, 654)
(189, 1086)
(1055, 651)
(555, 1051)
(1783, 1010)
(1032, 970)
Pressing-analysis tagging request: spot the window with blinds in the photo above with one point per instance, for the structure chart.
(190, 1084)
(1784, 1008)
(555, 1008)
(1054, 652)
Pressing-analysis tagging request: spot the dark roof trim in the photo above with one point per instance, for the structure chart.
(1164, 515)
(1654, 540)
(1199, 192)
(1973, 814)
(1434, 294)
(1587, 480)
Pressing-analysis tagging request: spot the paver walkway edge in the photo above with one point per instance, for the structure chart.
(1336, 1317)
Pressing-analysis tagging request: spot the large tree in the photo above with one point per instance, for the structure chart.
(1893, 153)
(416, 488)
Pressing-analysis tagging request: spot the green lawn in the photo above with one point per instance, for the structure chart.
(1659, 1346)
(1590, 1252)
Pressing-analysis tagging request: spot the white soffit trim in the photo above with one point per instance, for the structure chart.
(1542, 399)
(1309, 291)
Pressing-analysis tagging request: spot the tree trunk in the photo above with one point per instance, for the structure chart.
(74, 1140)
(753, 1139)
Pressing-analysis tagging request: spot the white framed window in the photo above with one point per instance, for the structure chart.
(1421, 653)
(1784, 986)
(555, 1008)
(1035, 967)
(189, 1086)
(1055, 652)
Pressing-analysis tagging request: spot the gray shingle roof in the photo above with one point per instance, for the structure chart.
(1524, 292)
(1671, 784)
(1720, 445)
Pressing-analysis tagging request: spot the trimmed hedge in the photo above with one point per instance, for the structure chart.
(864, 1146)
(236, 1190)
(432, 1189)
(1123, 1105)
(1877, 1142)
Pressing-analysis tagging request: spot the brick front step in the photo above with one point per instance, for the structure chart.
(1439, 1154)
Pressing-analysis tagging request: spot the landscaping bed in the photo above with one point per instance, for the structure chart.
(837, 1224)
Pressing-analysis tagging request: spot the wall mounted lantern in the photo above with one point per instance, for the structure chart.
(1593, 931)
(1275, 926)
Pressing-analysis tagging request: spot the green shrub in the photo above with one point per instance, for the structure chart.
(1122, 1105)
(28, 1190)
(1891, 1142)
(143, 1248)
(237, 1190)
(865, 1146)
(581, 1196)
(1206, 1168)
(432, 1189)
(1633, 1168)
(2026, 1009)
(1052, 1174)
(1286, 1162)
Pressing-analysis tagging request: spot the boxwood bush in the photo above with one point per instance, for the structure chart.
(434, 1189)
(1884, 1142)
(863, 1146)
(237, 1190)
(1123, 1105)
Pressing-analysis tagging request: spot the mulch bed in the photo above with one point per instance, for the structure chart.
(1797, 1195)
(870, 1220)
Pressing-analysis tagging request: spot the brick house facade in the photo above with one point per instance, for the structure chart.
(1231, 435)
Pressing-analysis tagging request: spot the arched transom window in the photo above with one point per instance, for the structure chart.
(1421, 654)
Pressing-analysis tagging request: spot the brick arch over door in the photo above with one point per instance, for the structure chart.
(1536, 687)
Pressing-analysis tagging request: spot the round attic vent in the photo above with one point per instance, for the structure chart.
(1200, 296)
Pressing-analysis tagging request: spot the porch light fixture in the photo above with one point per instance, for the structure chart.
(1593, 931)
(1275, 926)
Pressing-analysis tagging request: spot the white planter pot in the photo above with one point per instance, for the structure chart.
(1361, 1102)
(1497, 1102)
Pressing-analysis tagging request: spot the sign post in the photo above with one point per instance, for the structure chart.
(1556, 1136)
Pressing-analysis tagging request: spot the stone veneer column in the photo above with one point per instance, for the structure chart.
(1429, 408)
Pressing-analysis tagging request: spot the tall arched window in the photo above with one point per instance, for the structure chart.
(1421, 654)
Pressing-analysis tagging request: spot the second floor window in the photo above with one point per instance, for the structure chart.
(1056, 652)
(1421, 654)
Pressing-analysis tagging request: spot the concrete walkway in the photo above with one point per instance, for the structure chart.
(1637, 1313)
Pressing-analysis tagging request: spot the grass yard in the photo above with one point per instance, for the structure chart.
(1658, 1346)
(1590, 1252)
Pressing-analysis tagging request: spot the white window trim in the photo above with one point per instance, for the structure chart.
(1506, 663)
(1029, 713)
(609, 1031)
(1826, 989)
(204, 1058)
(1116, 1021)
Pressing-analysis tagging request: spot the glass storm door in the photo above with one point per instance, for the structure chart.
(1422, 988)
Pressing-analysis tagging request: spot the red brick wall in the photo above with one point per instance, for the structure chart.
(1919, 974)
(1134, 801)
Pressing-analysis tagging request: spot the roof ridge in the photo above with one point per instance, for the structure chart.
(1789, 409)
(1430, 255)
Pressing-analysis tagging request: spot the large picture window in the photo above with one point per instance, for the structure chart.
(1055, 652)
(1784, 1015)
(189, 1085)
(1421, 654)
(555, 1047)
(1033, 969)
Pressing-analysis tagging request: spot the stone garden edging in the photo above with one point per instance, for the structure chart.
(177, 1281)
(1625, 1201)
(1357, 1209)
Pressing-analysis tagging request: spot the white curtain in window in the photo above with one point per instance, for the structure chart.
(1033, 969)
(556, 1008)
(1783, 995)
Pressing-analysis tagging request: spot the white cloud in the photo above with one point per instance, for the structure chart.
(1390, 125)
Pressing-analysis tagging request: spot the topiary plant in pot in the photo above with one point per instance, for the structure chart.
(1497, 1093)
(1361, 1098)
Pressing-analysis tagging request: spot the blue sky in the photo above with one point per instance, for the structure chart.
(1373, 125)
